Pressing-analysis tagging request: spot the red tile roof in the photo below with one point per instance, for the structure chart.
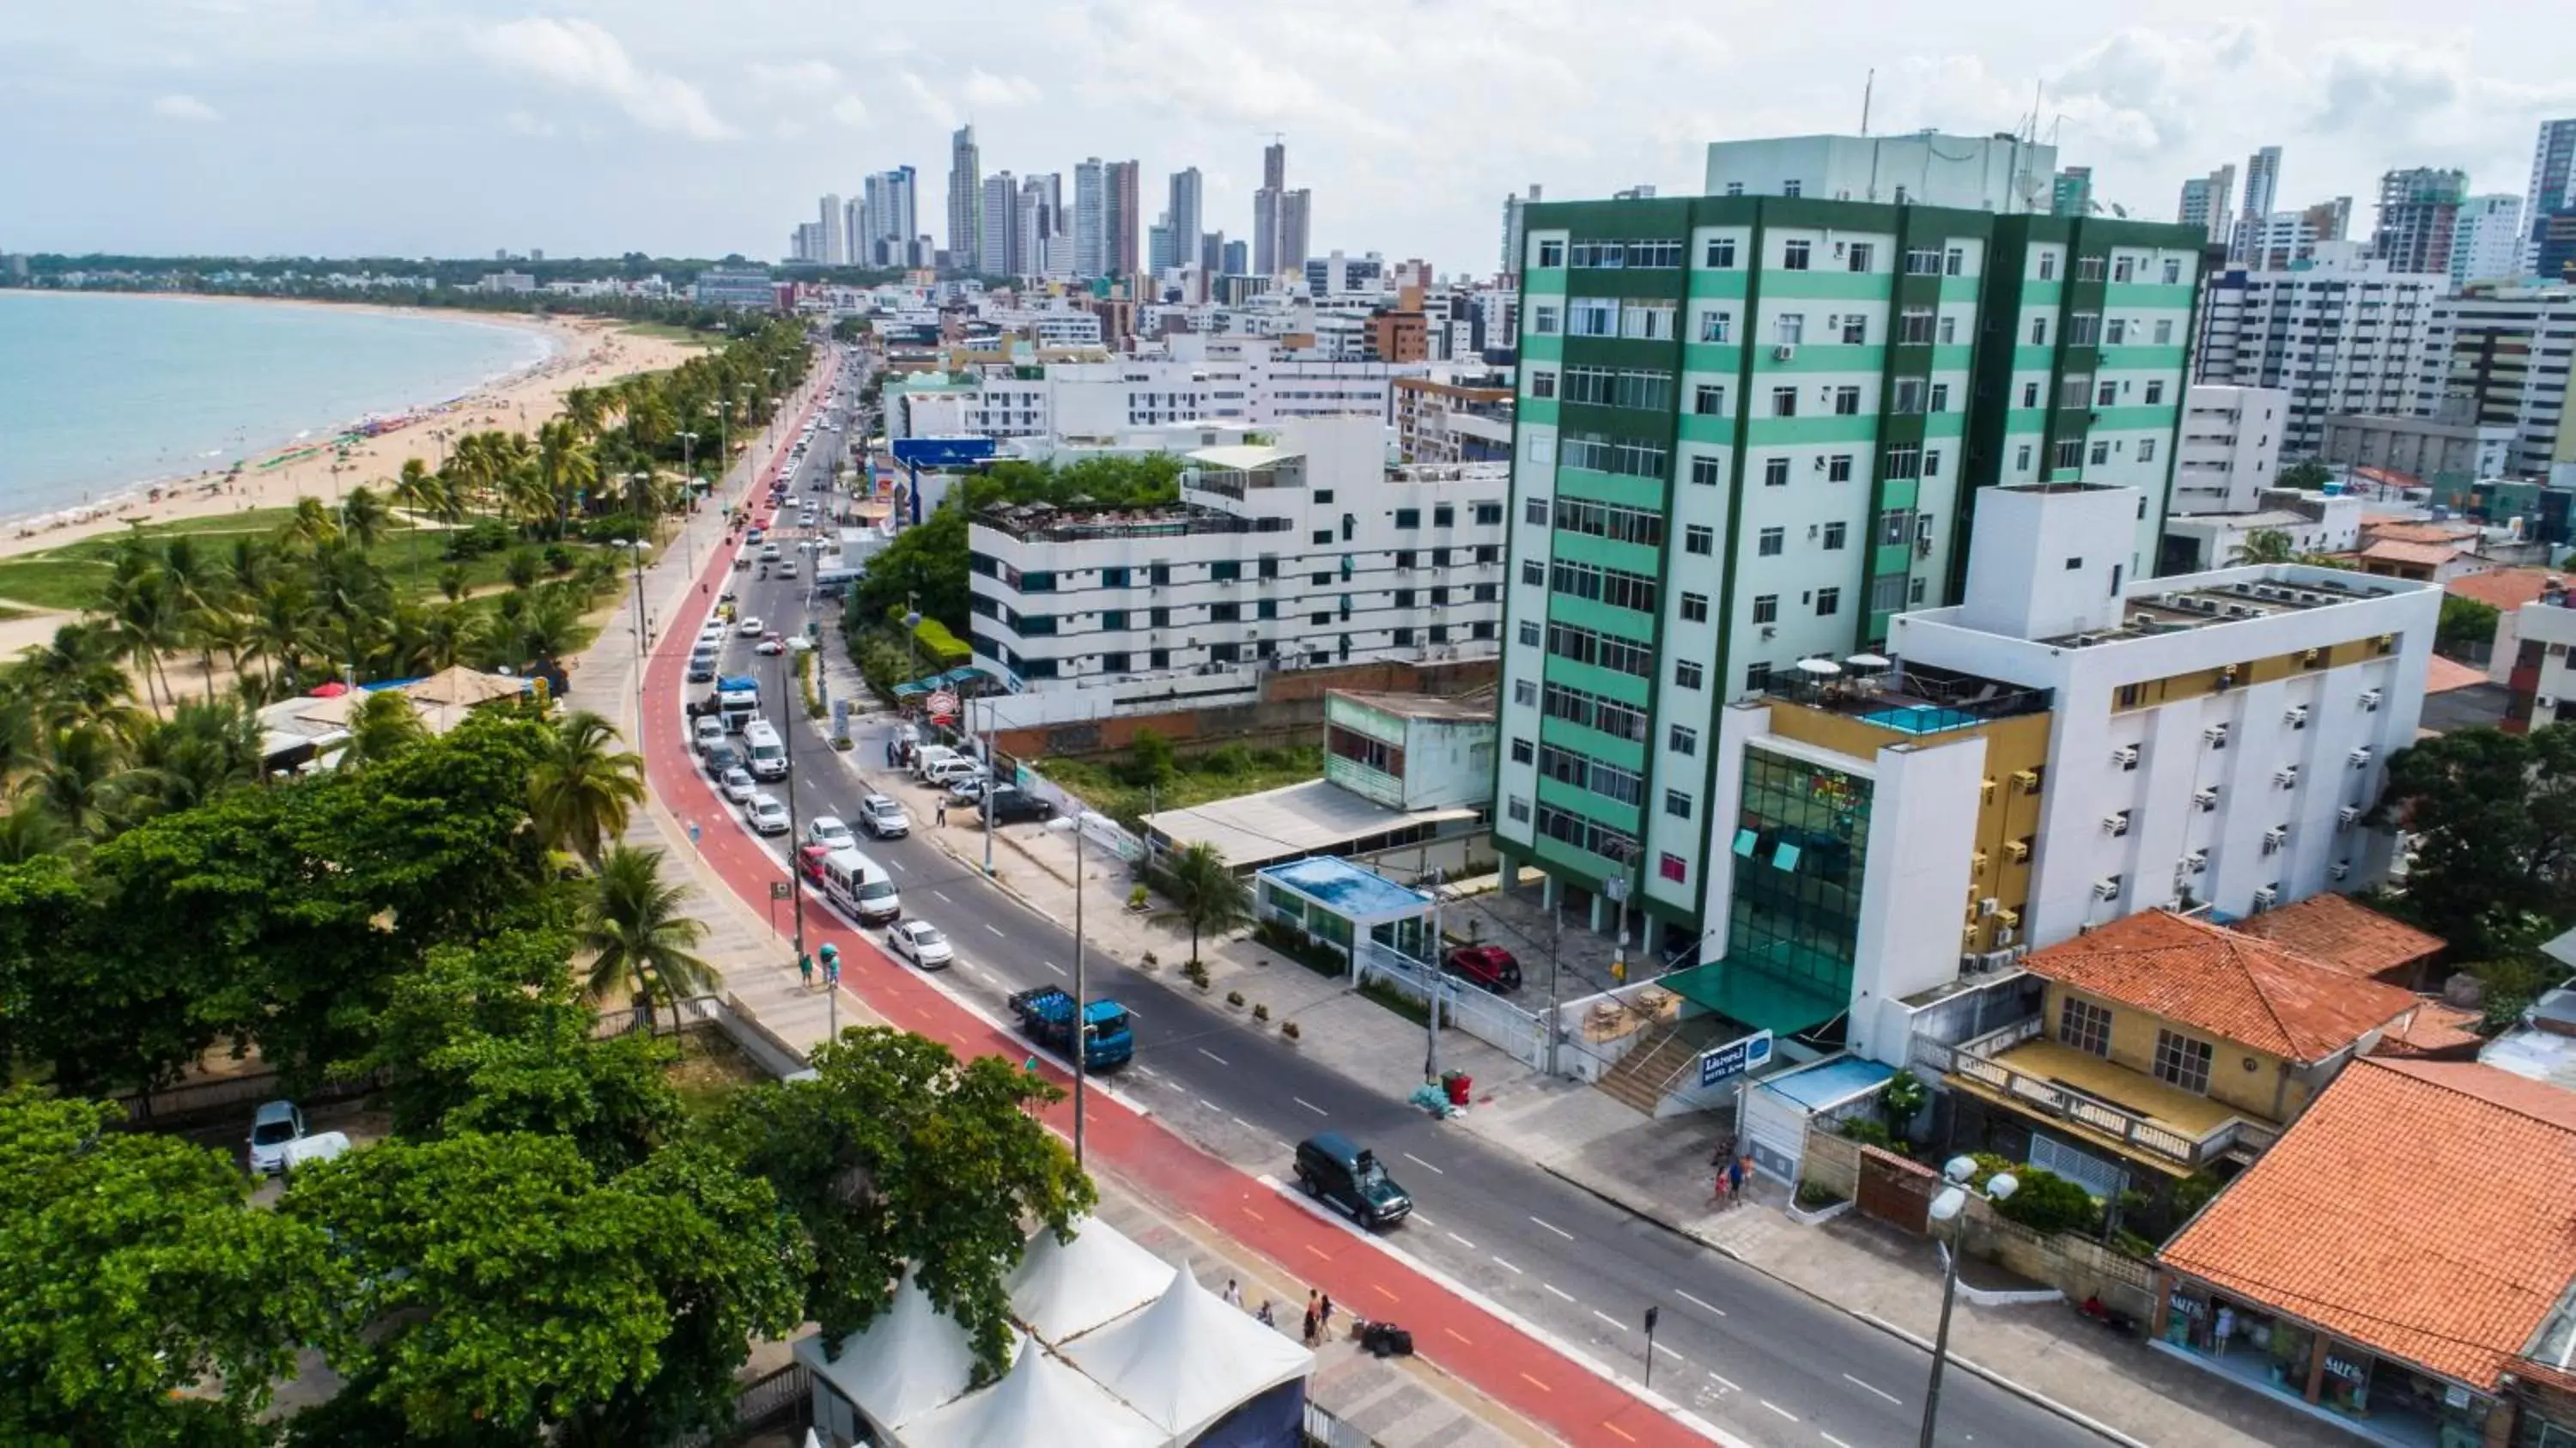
(2424, 1209)
(2392, 550)
(2339, 931)
(2434, 1029)
(2442, 675)
(2235, 987)
(2504, 588)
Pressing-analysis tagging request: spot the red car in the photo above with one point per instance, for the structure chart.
(1489, 966)
(810, 858)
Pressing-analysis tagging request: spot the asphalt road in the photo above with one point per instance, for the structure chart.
(1762, 1360)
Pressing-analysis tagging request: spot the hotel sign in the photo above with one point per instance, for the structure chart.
(1735, 1058)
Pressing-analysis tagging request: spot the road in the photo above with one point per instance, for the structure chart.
(1766, 1362)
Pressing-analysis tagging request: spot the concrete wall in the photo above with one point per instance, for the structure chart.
(1291, 711)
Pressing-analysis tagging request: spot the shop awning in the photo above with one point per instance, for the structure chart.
(1754, 997)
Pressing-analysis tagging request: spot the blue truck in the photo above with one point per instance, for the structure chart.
(1046, 1014)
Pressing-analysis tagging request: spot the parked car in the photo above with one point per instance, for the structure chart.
(738, 785)
(827, 830)
(809, 860)
(274, 1125)
(723, 757)
(1331, 1169)
(1489, 966)
(770, 643)
(787, 568)
(1010, 805)
(767, 815)
(965, 789)
(883, 818)
(769, 553)
(707, 732)
(920, 942)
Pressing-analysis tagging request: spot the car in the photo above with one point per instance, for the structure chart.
(751, 627)
(767, 815)
(754, 535)
(1333, 1170)
(769, 552)
(882, 817)
(810, 858)
(271, 1127)
(826, 830)
(702, 667)
(306, 1150)
(1009, 804)
(738, 785)
(706, 733)
(724, 756)
(965, 789)
(920, 942)
(787, 568)
(770, 644)
(1489, 966)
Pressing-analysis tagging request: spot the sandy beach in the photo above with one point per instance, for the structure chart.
(587, 353)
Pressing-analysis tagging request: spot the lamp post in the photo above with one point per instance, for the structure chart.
(796, 845)
(689, 505)
(1951, 1206)
(1081, 1027)
(643, 645)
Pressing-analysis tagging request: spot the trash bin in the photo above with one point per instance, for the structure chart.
(1458, 1084)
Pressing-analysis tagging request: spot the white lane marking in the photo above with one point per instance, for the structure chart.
(907, 869)
(1723, 1385)
(1559, 1291)
(1551, 1226)
(1148, 1072)
(1454, 1237)
(1775, 1407)
(1695, 1302)
(1426, 1166)
(1676, 1357)
(997, 932)
(1210, 1105)
(1049, 964)
(1605, 1317)
(1246, 1125)
(1871, 1387)
(1499, 1262)
(1211, 1055)
(943, 896)
(1309, 1105)
(1830, 1438)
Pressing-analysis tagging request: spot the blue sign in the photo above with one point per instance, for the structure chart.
(1735, 1058)
(942, 452)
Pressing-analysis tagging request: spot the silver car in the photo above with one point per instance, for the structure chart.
(767, 815)
(825, 830)
(738, 785)
(920, 942)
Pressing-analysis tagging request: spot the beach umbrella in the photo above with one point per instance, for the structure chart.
(331, 690)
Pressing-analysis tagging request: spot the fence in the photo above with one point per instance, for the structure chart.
(1481, 1014)
(1325, 1430)
(1600, 1030)
(782, 1399)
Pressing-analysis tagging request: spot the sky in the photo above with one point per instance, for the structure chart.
(405, 127)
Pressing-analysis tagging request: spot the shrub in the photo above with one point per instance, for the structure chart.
(1136, 898)
(1260, 1012)
(1289, 1029)
(2044, 1201)
(1229, 760)
(1868, 1131)
(1815, 1196)
(559, 559)
(1234, 998)
(483, 535)
(1149, 761)
(1195, 973)
(1148, 956)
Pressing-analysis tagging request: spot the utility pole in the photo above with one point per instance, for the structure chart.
(993, 778)
(795, 867)
(1081, 1025)
(1555, 964)
(1431, 1051)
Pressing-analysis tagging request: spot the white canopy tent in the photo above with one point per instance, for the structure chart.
(1061, 1290)
(912, 1359)
(1189, 1359)
(1039, 1403)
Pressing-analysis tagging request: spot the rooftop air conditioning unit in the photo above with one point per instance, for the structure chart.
(2142, 620)
(2546, 701)
(1784, 352)
(2243, 610)
(2107, 887)
(2207, 799)
(2360, 757)
(2197, 862)
(2011, 921)
(2026, 780)
(2339, 869)
(2348, 816)
(2287, 776)
(2296, 716)
(2266, 897)
(2369, 700)
(2126, 756)
(2116, 824)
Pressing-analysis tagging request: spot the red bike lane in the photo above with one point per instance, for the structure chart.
(1466, 1340)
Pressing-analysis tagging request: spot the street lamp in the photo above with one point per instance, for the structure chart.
(1081, 1027)
(1951, 1206)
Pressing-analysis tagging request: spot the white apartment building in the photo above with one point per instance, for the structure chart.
(2487, 240)
(2313, 522)
(1305, 550)
(2533, 659)
(2064, 748)
(1995, 174)
(2503, 355)
(2229, 448)
(1220, 378)
(2339, 335)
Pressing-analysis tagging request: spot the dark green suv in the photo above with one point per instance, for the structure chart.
(1333, 1170)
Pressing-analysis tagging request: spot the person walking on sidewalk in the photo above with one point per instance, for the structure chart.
(805, 968)
(941, 819)
(1233, 1293)
(1324, 1317)
(1739, 1172)
(1717, 1175)
(1310, 1319)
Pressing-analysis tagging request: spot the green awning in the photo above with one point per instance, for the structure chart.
(1754, 997)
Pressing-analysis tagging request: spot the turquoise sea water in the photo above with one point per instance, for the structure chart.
(101, 392)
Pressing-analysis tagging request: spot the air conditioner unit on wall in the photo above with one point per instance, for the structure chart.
(1784, 352)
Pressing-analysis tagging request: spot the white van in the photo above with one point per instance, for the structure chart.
(768, 752)
(861, 886)
(931, 756)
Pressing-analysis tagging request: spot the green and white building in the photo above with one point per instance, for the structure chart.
(1752, 429)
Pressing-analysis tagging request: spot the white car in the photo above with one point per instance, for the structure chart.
(767, 815)
(825, 830)
(275, 1124)
(750, 627)
(769, 552)
(920, 942)
(883, 818)
(738, 786)
(770, 646)
(707, 733)
(787, 568)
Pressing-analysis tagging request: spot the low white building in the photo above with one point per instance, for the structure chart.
(2313, 522)
(2228, 448)
(1411, 751)
(2533, 659)
(1222, 378)
(2064, 748)
(1298, 550)
(1998, 174)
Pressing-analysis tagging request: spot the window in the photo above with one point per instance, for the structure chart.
(1909, 396)
(1716, 326)
(2101, 453)
(1488, 515)
(1677, 804)
(1784, 402)
(1914, 327)
(1838, 468)
(1532, 571)
(1674, 868)
(1734, 188)
(1707, 471)
(2021, 458)
(1857, 258)
(1791, 327)
(1903, 460)
(1709, 400)
(1775, 472)
(1792, 188)
(1770, 542)
(1529, 632)
(2115, 331)
(1592, 317)
(1887, 592)
(1793, 256)
(1551, 255)
(2084, 329)
(1523, 752)
(1954, 262)
(1855, 330)
(2030, 394)
(2048, 266)
(2164, 333)
(1519, 810)
(1931, 462)
(1444, 515)
(1525, 691)
(2039, 331)
(2146, 449)
(2156, 393)
(1720, 255)
(2088, 268)
(1895, 525)
(1766, 608)
(1923, 261)
(1610, 520)
(1408, 518)
(1682, 739)
(2173, 276)
(1829, 601)
(2084, 1026)
(1542, 383)
(2124, 268)
(1847, 401)
(1694, 608)
(1688, 675)
(1646, 321)
(1533, 510)
(1940, 397)
(2074, 391)
(1834, 534)
(2068, 455)
(1699, 538)
(1543, 319)
(2106, 394)
(1112, 620)
(1949, 331)
(1757, 677)
(2182, 1061)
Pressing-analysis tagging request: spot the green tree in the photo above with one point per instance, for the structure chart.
(1207, 897)
(2263, 545)
(1149, 763)
(895, 1156)
(503, 1286)
(146, 1303)
(584, 788)
(2467, 628)
(2494, 820)
(205, 748)
(2309, 475)
(639, 937)
(383, 725)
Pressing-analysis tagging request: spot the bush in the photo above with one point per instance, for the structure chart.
(1148, 956)
(483, 535)
(1815, 1197)
(1234, 998)
(1137, 896)
(559, 559)
(1300, 947)
(1228, 760)
(1196, 973)
(1383, 992)
(1867, 1130)
(1289, 1029)
(1260, 1012)
(2044, 1201)
(1149, 761)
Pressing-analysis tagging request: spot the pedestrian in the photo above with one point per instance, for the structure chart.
(1310, 1325)
(1325, 1317)
(1738, 1173)
(805, 968)
(1717, 1186)
(1233, 1293)
(942, 817)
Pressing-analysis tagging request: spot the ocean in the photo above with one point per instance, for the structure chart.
(100, 393)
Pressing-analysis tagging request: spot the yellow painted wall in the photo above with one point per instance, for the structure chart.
(2199, 682)
(2256, 1093)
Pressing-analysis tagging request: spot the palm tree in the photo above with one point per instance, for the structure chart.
(206, 748)
(81, 778)
(76, 678)
(584, 788)
(364, 517)
(281, 627)
(138, 614)
(583, 409)
(416, 489)
(312, 524)
(29, 831)
(2263, 545)
(638, 938)
(1207, 896)
(384, 724)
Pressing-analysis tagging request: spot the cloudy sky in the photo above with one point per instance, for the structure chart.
(453, 128)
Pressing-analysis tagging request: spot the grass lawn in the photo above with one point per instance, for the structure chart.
(668, 333)
(714, 1069)
(1221, 774)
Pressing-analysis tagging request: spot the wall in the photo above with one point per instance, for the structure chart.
(1291, 711)
(1923, 821)
(2272, 1091)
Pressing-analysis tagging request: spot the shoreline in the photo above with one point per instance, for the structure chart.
(581, 352)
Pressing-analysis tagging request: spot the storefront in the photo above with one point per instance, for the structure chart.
(2377, 1397)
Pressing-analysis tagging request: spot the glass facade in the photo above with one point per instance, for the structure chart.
(1801, 843)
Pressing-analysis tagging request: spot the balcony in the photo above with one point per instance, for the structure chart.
(2096, 1100)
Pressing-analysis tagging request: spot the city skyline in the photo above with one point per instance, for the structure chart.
(737, 129)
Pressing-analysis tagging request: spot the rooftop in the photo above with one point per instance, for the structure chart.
(1348, 890)
(1907, 698)
(2503, 588)
(1046, 523)
(2172, 605)
(2342, 933)
(2237, 987)
(2332, 1226)
(1289, 823)
(2399, 550)
(1476, 706)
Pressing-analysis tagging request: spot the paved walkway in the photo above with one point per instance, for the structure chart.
(1401, 1404)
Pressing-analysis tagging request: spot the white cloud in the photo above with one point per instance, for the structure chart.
(187, 109)
(933, 106)
(988, 91)
(581, 56)
(850, 111)
(802, 77)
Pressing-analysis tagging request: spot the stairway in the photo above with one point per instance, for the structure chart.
(1638, 1080)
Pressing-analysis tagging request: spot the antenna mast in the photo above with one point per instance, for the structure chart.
(1866, 87)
